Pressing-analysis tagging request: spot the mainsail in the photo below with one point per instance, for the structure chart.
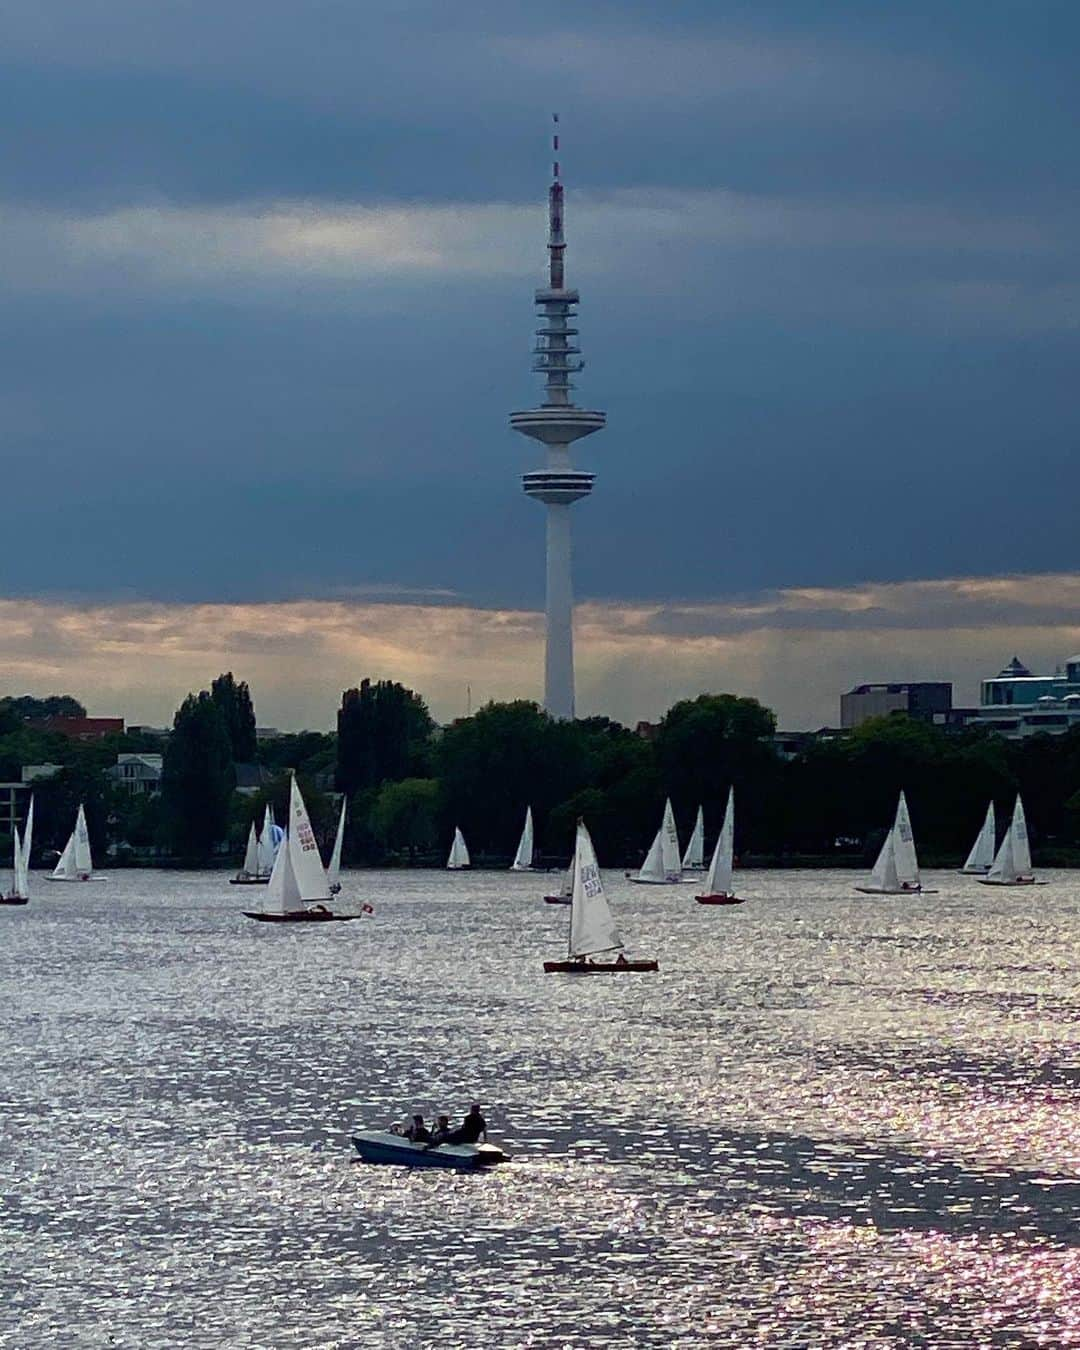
(524, 857)
(694, 857)
(298, 878)
(251, 854)
(718, 882)
(269, 842)
(662, 863)
(907, 864)
(981, 857)
(1013, 859)
(459, 854)
(333, 872)
(22, 855)
(592, 925)
(75, 862)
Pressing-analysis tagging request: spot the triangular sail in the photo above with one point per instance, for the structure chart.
(669, 845)
(304, 860)
(652, 869)
(66, 866)
(718, 881)
(22, 857)
(694, 857)
(268, 844)
(251, 853)
(282, 892)
(981, 857)
(884, 876)
(907, 864)
(333, 872)
(84, 864)
(592, 924)
(459, 853)
(1013, 858)
(524, 857)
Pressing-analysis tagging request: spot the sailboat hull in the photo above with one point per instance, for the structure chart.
(49, 877)
(249, 881)
(557, 899)
(1020, 881)
(720, 899)
(300, 916)
(898, 890)
(649, 881)
(14, 899)
(974, 871)
(599, 967)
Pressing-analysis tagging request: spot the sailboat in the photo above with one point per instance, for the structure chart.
(333, 872)
(20, 891)
(981, 856)
(592, 925)
(565, 892)
(718, 883)
(896, 871)
(269, 843)
(299, 879)
(1012, 864)
(523, 859)
(694, 857)
(259, 854)
(459, 854)
(75, 862)
(662, 866)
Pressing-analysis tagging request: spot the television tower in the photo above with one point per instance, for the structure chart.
(557, 423)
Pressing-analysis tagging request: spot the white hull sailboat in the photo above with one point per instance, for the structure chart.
(662, 866)
(260, 853)
(459, 853)
(1012, 862)
(298, 888)
(75, 863)
(718, 883)
(981, 857)
(20, 890)
(896, 871)
(592, 925)
(523, 858)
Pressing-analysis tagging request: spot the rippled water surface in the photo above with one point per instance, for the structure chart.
(829, 1120)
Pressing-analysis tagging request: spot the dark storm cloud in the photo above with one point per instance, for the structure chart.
(266, 274)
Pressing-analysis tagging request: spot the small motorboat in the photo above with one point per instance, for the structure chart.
(383, 1146)
(587, 966)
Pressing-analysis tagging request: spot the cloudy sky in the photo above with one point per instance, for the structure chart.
(266, 273)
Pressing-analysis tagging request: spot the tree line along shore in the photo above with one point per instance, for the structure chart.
(409, 782)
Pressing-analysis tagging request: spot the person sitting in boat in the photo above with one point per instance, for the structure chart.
(471, 1128)
(442, 1131)
(418, 1132)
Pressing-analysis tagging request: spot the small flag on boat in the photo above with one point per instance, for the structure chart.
(367, 909)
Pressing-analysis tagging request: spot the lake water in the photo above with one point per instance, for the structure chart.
(829, 1120)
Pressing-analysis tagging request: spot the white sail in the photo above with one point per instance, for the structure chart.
(524, 857)
(267, 846)
(981, 857)
(304, 860)
(567, 887)
(84, 864)
(884, 876)
(459, 854)
(662, 863)
(333, 872)
(1013, 858)
(21, 861)
(592, 925)
(28, 835)
(282, 892)
(251, 854)
(65, 868)
(907, 864)
(718, 882)
(694, 857)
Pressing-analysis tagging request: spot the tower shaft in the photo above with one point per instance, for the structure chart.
(557, 423)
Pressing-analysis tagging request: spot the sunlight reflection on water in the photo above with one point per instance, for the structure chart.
(828, 1121)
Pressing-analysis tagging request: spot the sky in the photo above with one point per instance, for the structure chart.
(266, 273)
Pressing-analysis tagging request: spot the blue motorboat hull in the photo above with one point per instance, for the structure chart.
(382, 1146)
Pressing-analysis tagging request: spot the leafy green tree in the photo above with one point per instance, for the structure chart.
(25, 706)
(384, 735)
(238, 713)
(197, 778)
(405, 816)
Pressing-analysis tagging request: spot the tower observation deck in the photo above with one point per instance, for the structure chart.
(557, 423)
